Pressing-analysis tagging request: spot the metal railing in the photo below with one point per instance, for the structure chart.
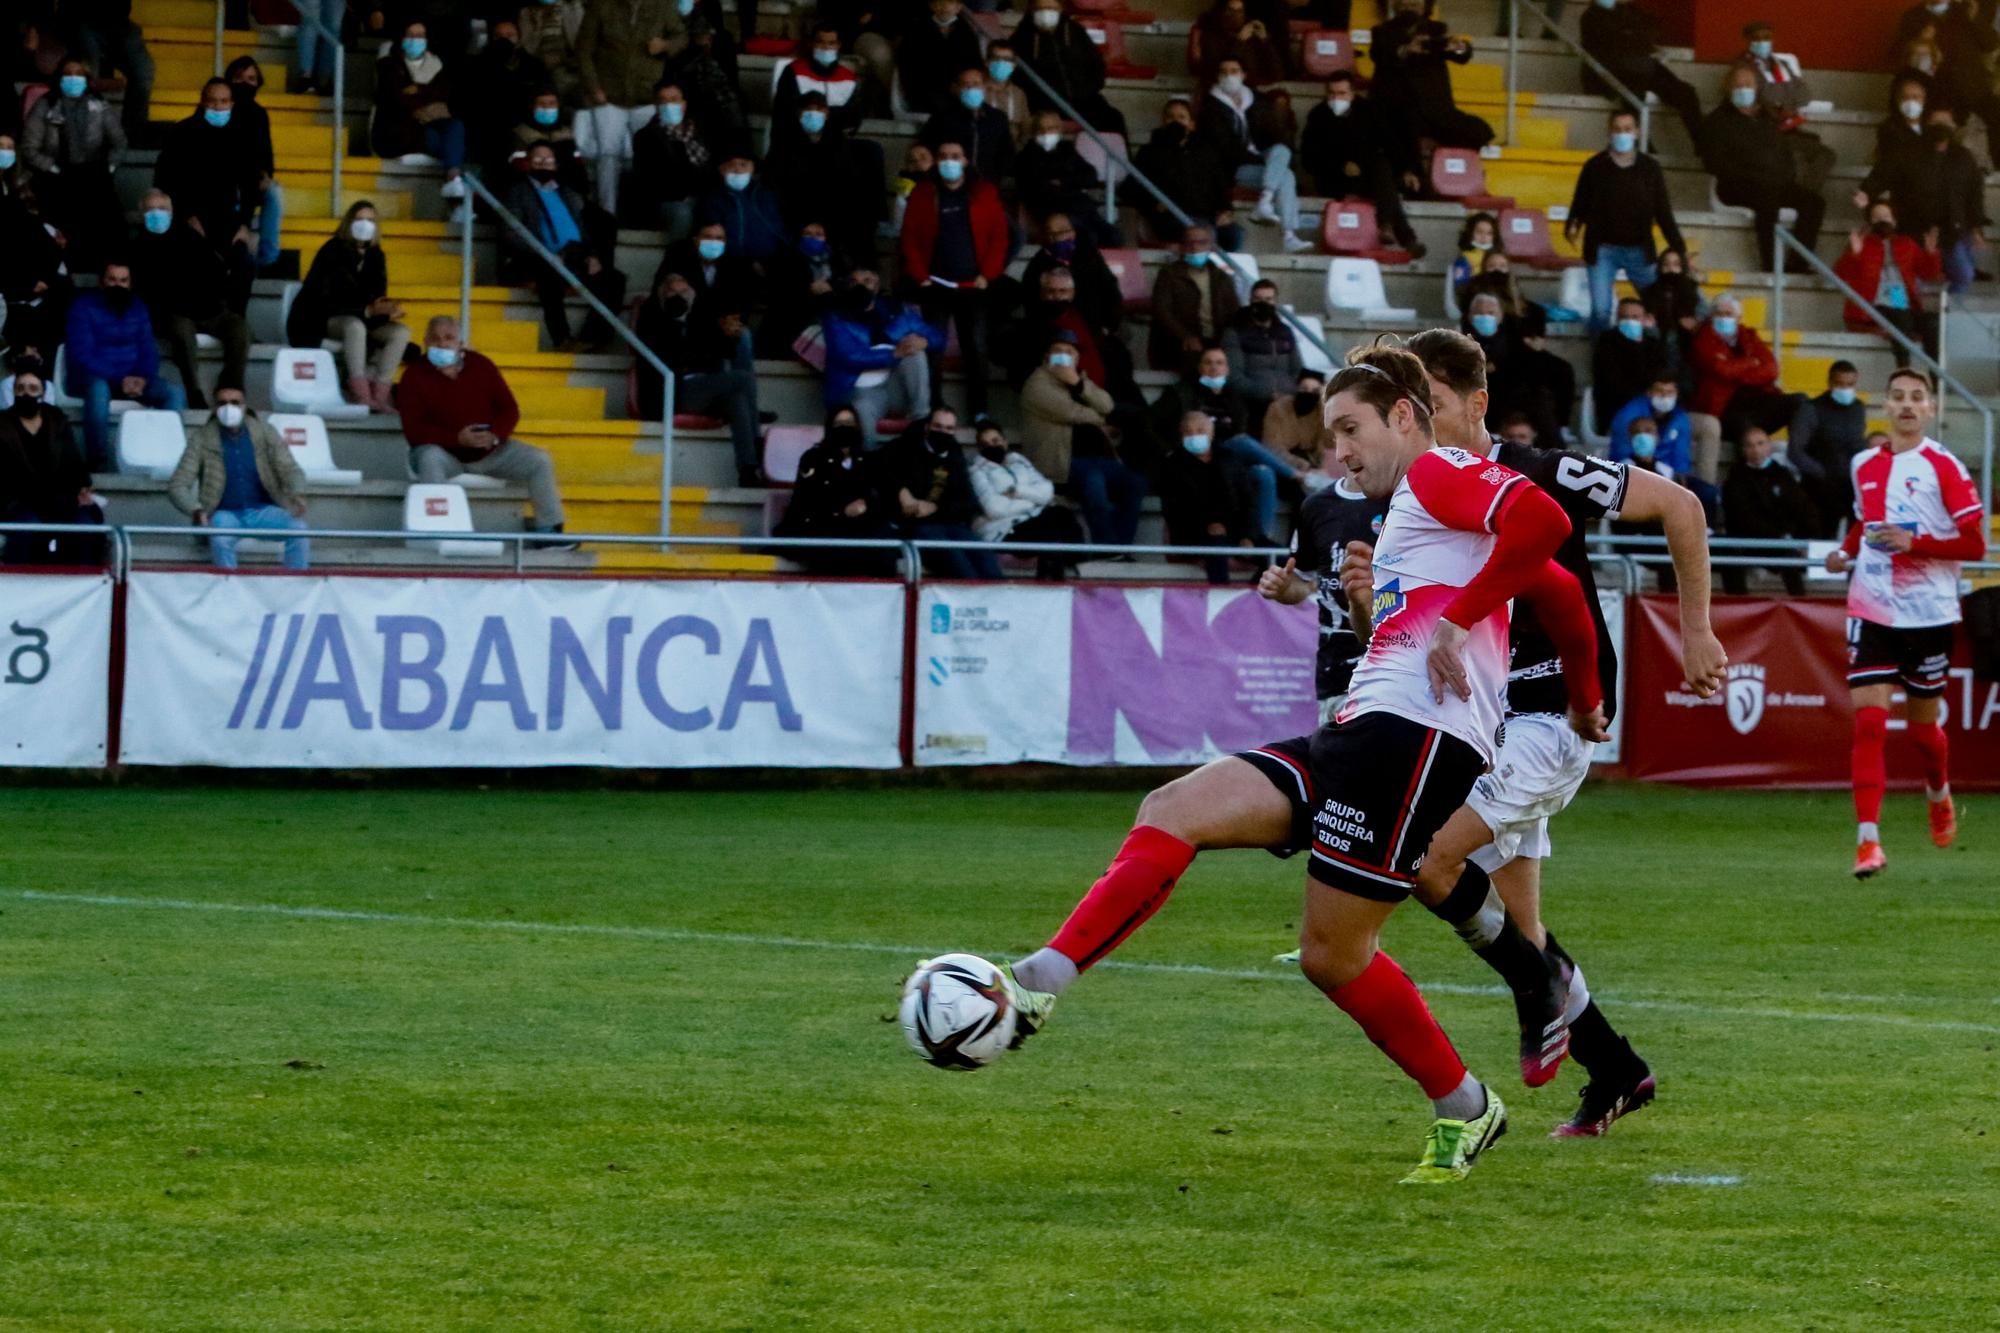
(1916, 354)
(611, 317)
(1640, 106)
(339, 107)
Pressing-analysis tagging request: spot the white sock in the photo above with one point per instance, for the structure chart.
(1941, 794)
(1579, 995)
(1869, 833)
(1264, 201)
(1465, 1102)
(1045, 969)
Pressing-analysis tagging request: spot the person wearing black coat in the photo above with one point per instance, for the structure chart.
(1745, 152)
(1762, 498)
(1205, 493)
(825, 176)
(1060, 49)
(708, 355)
(1351, 150)
(963, 117)
(33, 280)
(1187, 171)
(936, 49)
(43, 478)
(580, 234)
(673, 164)
(835, 496)
(801, 283)
(1964, 84)
(1939, 188)
(182, 282)
(923, 475)
(1623, 39)
(498, 81)
(1099, 299)
(1623, 367)
(210, 170)
(1051, 177)
(345, 297)
(253, 123)
(727, 286)
(1412, 81)
(1677, 306)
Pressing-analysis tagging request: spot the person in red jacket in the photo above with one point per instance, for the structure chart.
(955, 246)
(1886, 268)
(459, 416)
(1736, 385)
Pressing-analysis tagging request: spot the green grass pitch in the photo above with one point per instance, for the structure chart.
(626, 1060)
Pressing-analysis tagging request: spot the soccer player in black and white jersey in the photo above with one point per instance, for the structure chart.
(1328, 520)
(1487, 858)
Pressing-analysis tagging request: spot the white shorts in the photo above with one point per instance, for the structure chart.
(1540, 766)
(1329, 706)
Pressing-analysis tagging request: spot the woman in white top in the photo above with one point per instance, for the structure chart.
(1016, 501)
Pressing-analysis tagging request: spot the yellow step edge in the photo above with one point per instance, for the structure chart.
(636, 494)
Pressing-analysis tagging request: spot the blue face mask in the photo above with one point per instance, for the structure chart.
(710, 249)
(215, 117)
(6, 159)
(1725, 326)
(1001, 70)
(1643, 445)
(686, 7)
(444, 358)
(1624, 142)
(1198, 259)
(1743, 98)
(972, 98)
(1764, 462)
(1762, 50)
(736, 180)
(812, 122)
(72, 85)
(1195, 444)
(1845, 397)
(812, 246)
(1632, 328)
(1214, 383)
(414, 48)
(1486, 325)
(951, 170)
(158, 220)
(823, 57)
(1062, 358)
(547, 115)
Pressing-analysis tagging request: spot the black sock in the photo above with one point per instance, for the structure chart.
(1474, 910)
(1593, 1042)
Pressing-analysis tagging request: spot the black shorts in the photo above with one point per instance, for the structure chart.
(1884, 655)
(1367, 796)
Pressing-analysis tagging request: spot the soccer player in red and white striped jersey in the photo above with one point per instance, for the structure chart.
(1916, 516)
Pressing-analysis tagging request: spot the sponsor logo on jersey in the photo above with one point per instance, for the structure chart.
(1389, 599)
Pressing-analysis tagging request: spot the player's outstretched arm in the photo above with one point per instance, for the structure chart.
(1559, 604)
(1651, 498)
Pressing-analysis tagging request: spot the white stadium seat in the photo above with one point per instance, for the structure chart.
(58, 394)
(1587, 425)
(150, 443)
(1243, 268)
(303, 379)
(311, 449)
(1355, 285)
(1310, 356)
(441, 507)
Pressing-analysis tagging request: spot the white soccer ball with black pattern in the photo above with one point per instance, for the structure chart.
(957, 1011)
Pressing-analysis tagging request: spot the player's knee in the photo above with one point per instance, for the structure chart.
(1164, 808)
(1436, 878)
(1331, 963)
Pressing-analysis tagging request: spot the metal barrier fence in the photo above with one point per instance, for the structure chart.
(1639, 104)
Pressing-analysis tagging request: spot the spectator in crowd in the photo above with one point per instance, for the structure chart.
(1963, 83)
(1292, 428)
(1412, 52)
(1921, 58)
(1677, 308)
(253, 123)
(1206, 495)
(964, 118)
(1624, 39)
(1942, 190)
(671, 166)
(1654, 429)
(1005, 95)
(619, 47)
(1228, 32)
(1478, 238)
(835, 497)
(549, 32)
(869, 31)
(1054, 315)
(112, 355)
(1218, 395)
(955, 245)
(208, 167)
(544, 120)
(1736, 385)
(318, 35)
(1782, 93)
(584, 238)
(1264, 350)
(182, 282)
(1516, 429)
(1742, 149)
(1053, 178)
(923, 474)
(1017, 503)
(238, 474)
(1248, 135)
(706, 69)
(753, 222)
(1193, 302)
(108, 41)
(1546, 383)
(35, 288)
(43, 477)
(801, 289)
(1625, 359)
(878, 354)
(1496, 275)
(1059, 49)
(919, 164)
(1066, 432)
(1099, 299)
(498, 81)
(703, 349)
(1763, 499)
(1352, 151)
(1825, 435)
(459, 416)
(413, 92)
(1621, 195)
(723, 281)
(1899, 139)
(1889, 269)
(73, 143)
(933, 52)
(345, 297)
(817, 69)
(1187, 170)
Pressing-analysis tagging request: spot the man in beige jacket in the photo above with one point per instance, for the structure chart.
(238, 473)
(1064, 433)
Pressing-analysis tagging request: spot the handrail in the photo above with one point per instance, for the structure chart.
(1917, 356)
(1639, 104)
(1125, 165)
(604, 312)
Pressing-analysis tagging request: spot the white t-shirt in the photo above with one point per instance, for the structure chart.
(1928, 491)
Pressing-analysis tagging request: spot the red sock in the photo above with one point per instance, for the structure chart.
(1871, 730)
(1138, 882)
(1929, 737)
(1385, 1002)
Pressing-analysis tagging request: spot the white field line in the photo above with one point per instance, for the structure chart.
(1676, 1178)
(676, 935)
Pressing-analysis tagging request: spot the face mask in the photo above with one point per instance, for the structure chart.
(1940, 7)
(944, 20)
(215, 117)
(28, 405)
(1305, 400)
(72, 85)
(686, 7)
(1001, 70)
(1214, 383)
(1762, 50)
(1632, 328)
(414, 48)
(941, 441)
(1062, 250)
(547, 115)
(545, 175)
(1924, 64)
(1263, 310)
(230, 415)
(845, 436)
(1486, 325)
(1230, 83)
(1743, 98)
(951, 170)
(823, 57)
(158, 220)
(710, 249)
(363, 230)
(1340, 104)
(673, 112)
(444, 358)
(1062, 359)
(1607, 4)
(1643, 445)
(118, 298)
(812, 122)
(1844, 397)
(1725, 326)
(1481, 246)
(736, 180)
(1623, 142)
(1882, 227)
(1199, 259)
(972, 98)
(244, 92)
(1048, 141)
(812, 247)
(1195, 444)
(6, 159)
(1912, 109)
(1764, 462)
(1046, 19)
(1664, 404)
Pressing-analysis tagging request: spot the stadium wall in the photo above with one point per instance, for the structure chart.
(1823, 34)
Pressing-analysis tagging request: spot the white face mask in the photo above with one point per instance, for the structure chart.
(1665, 403)
(230, 415)
(1339, 105)
(363, 229)
(1912, 109)
(1230, 83)
(1048, 141)
(1046, 19)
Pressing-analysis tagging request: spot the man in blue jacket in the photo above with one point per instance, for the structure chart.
(875, 358)
(752, 221)
(1673, 447)
(110, 353)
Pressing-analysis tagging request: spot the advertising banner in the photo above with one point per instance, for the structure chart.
(1784, 717)
(55, 669)
(1108, 675)
(352, 672)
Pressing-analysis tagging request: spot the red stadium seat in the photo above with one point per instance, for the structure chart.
(34, 93)
(695, 421)
(1524, 235)
(1110, 38)
(891, 425)
(1132, 285)
(1322, 51)
(1457, 173)
(784, 446)
(1112, 10)
(1350, 227)
(771, 46)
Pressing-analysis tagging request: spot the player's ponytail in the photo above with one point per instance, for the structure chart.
(1379, 375)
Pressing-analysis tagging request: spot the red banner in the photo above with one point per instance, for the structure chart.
(1784, 718)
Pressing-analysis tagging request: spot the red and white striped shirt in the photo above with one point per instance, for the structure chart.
(1927, 491)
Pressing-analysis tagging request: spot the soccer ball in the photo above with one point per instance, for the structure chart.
(957, 1011)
